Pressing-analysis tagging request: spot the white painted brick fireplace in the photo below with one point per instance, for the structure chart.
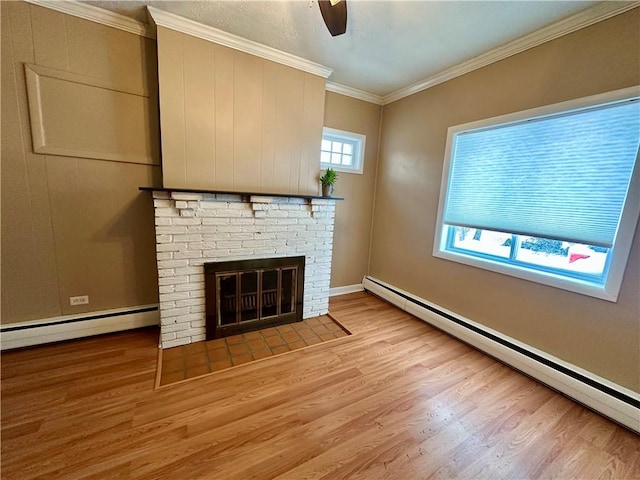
(196, 228)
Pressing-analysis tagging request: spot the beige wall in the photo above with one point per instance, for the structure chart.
(597, 335)
(236, 122)
(74, 226)
(353, 215)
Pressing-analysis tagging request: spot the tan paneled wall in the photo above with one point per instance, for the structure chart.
(596, 335)
(233, 121)
(352, 230)
(72, 226)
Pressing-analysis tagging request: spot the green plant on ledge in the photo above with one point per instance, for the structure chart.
(328, 181)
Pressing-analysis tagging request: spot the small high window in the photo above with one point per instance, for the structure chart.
(550, 195)
(342, 151)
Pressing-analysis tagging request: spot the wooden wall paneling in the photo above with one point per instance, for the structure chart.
(314, 93)
(117, 229)
(296, 122)
(19, 39)
(45, 275)
(124, 52)
(133, 66)
(305, 143)
(72, 258)
(289, 100)
(54, 243)
(247, 121)
(261, 112)
(11, 178)
(129, 116)
(17, 243)
(148, 63)
(29, 284)
(199, 107)
(172, 120)
(269, 106)
(224, 123)
(105, 249)
(83, 40)
(281, 152)
(148, 71)
(49, 37)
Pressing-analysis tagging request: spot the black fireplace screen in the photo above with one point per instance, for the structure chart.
(247, 295)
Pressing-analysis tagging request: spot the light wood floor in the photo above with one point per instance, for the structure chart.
(397, 400)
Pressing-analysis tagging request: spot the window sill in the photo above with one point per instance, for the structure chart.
(582, 287)
(341, 169)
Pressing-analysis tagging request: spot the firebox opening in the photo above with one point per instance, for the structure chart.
(246, 295)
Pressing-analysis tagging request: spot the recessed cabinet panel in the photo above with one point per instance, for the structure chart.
(77, 116)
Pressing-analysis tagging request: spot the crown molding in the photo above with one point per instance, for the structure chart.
(583, 19)
(98, 15)
(354, 93)
(595, 14)
(205, 32)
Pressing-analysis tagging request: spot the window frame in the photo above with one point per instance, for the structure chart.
(609, 288)
(359, 142)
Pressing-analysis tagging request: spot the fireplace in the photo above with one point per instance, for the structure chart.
(246, 295)
(197, 228)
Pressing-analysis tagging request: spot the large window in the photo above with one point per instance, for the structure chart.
(550, 195)
(342, 151)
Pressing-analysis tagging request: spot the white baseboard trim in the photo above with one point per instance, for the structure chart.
(37, 332)
(346, 289)
(610, 399)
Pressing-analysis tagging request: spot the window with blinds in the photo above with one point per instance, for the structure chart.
(549, 195)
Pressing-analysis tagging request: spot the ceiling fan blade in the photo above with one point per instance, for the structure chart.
(334, 16)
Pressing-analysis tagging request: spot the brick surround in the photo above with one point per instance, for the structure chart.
(197, 228)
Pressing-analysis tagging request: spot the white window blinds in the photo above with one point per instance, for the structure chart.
(562, 176)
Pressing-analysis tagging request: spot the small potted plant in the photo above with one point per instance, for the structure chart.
(328, 180)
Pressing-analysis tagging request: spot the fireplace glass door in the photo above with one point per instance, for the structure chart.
(270, 293)
(252, 298)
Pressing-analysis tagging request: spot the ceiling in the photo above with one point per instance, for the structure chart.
(388, 45)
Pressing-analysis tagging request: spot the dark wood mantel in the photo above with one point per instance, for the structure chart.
(225, 192)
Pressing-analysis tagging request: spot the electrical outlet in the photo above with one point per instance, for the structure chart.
(81, 300)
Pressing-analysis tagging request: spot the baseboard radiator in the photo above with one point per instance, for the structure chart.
(37, 332)
(607, 398)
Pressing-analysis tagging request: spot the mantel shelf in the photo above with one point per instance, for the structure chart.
(226, 192)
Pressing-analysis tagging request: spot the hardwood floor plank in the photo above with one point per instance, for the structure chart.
(631, 467)
(399, 399)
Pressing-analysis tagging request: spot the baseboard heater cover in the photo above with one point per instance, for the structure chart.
(611, 400)
(68, 327)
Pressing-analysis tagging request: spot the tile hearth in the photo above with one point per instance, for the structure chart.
(200, 358)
